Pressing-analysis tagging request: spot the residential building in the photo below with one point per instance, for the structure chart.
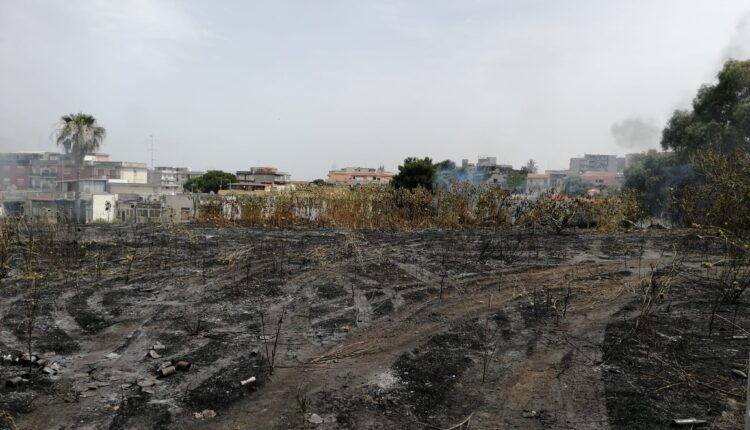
(45, 170)
(549, 180)
(15, 169)
(604, 179)
(172, 179)
(353, 176)
(263, 175)
(262, 179)
(597, 163)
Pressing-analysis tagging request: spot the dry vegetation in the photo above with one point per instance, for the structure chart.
(388, 209)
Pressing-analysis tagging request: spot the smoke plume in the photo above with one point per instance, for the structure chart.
(636, 133)
(739, 47)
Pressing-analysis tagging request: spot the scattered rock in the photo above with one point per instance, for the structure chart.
(315, 419)
(113, 356)
(531, 414)
(146, 383)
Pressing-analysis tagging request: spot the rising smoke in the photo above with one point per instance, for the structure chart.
(636, 133)
(739, 47)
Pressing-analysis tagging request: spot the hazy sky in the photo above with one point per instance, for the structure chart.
(308, 85)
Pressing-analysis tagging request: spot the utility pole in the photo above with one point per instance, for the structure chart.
(747, 400)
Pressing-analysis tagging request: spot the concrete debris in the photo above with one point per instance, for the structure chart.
(167, 371)
(530, 414)
(14, 382)
(52, 369)
(248, 381)
(182, 365)
(153, 354)
(159, 347)
(206, 413)
(688, 422)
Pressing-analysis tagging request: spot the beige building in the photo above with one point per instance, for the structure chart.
(353, 176)
(549, 180)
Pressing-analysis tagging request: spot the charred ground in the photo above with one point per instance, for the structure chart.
(507, 328)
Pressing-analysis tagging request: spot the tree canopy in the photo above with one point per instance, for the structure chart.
(531, 166)
(213, 180)
(445, 165)
(576, 186)
(79, 134)
(414, 173)
(720, 116)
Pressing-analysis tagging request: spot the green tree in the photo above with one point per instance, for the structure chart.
(531, 166)
(445, 165)
(414, 173)
(575, 186)
(657, 176)
(212, 180)
(719, 119)
(516, 180)
(79, 134)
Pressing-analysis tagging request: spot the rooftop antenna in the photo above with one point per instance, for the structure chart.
(151, 149)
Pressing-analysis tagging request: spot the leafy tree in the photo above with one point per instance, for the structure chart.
(79, 134)
(531, 166)
(320, 182)
(657, 176)
(575, 186)
(515, 180)
(414, 173)
(719, 119)
(213, 180)
(445, 165)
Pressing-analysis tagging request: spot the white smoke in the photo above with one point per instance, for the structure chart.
(739, 47)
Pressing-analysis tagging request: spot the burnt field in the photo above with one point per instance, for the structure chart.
(180, 327)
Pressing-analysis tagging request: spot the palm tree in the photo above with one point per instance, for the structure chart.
(79, 134)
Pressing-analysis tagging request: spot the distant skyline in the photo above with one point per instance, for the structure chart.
(308, 86)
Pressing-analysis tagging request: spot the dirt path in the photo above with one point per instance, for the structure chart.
(560, 380)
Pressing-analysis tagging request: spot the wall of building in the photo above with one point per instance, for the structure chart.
(103, 207)
(131, 188)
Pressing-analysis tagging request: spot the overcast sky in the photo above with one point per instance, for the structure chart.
(310, 85)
